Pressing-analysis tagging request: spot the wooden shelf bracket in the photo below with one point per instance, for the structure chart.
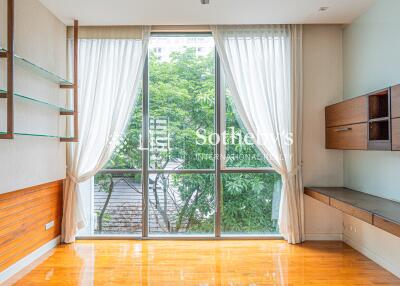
(9, 56)
(74, 86)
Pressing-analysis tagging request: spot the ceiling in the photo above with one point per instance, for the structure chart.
(191, 12)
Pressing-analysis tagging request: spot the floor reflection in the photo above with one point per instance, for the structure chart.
(204, 263)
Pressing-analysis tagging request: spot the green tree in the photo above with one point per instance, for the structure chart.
(182, 91)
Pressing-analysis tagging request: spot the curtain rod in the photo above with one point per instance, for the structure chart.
(163, 28)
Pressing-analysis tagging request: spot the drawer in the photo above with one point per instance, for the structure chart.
(349, 137)
(396, 134)
(395, 95)
(347, 112)
(319, 197)
(387, 225)
(352, 210)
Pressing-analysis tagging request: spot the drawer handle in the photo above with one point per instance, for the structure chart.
(343, 129)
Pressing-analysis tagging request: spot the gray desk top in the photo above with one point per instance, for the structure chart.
(385, 208)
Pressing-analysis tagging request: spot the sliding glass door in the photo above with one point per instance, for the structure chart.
(185, 166)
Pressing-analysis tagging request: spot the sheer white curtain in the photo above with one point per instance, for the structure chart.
(110, 72)
(263, 71)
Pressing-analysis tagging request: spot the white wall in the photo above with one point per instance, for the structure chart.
(323, 85)
(378, 245)
(371, 62)
(371, 48)
(40, 37)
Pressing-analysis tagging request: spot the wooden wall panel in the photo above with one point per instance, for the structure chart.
(23, 216)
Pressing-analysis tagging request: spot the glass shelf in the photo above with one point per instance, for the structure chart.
(39, 70)
(54, 106)
(36, 135)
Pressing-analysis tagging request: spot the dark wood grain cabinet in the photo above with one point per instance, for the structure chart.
(369, 122)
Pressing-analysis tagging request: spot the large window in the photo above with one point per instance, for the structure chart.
(185, 165)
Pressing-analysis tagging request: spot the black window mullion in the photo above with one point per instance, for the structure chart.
(217, 157)
(145, 150)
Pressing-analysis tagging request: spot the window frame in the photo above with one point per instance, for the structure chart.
(219, 165)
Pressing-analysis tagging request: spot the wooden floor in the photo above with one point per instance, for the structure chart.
(204, 263)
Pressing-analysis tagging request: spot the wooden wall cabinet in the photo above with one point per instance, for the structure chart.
(369, 122)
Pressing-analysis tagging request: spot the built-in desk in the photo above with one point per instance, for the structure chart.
(382, 213)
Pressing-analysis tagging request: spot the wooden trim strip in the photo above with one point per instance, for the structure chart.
(10, 69)
(387, 225)
(75, 138)
(76, 108)
(67, 86)
(351, 210)
(319, 197)
(67, 113)
(66, 140)
(6, 136)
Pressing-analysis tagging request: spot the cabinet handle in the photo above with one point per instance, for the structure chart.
(343, 129)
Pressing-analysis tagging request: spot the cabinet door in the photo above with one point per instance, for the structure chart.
(395, 95)
(396, 134)
(349, 137)
(347, 112)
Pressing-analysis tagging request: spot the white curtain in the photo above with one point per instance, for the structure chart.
(263, 70)
(110, 72)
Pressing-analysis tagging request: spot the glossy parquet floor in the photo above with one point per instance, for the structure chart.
(270, 262)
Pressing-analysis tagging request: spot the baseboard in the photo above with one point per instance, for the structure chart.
(374, 256)
(324, 236)
(28, 260)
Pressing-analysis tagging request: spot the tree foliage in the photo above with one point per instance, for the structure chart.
(182, 92)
